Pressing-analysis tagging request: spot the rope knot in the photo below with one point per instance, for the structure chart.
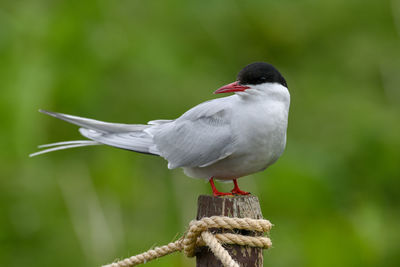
(199, 234)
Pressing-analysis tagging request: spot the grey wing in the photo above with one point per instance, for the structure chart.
(137, 141)
(198, 138)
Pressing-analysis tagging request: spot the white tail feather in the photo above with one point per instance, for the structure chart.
(67, 143)
(63, 147)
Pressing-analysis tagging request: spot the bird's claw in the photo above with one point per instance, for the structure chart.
(239, 192)
(219, 194)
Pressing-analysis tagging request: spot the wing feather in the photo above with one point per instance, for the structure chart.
(198, 138)
(138, 141)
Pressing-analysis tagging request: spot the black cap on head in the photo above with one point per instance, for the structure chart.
(260, 72)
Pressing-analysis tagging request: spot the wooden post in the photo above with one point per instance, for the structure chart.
(236, 206)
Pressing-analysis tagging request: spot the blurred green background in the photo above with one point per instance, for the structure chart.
(334, 196)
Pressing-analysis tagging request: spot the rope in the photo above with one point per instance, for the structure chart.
(199, 235)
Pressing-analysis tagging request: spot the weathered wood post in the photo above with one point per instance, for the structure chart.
(230, 206)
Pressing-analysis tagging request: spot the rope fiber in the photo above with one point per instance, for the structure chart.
(200, 235)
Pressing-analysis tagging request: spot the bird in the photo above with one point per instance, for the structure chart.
(222, 139)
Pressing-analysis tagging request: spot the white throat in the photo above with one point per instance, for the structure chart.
(264, 91)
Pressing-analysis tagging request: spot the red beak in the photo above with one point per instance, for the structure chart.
(232, 87)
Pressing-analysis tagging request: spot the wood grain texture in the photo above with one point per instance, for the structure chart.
(236, 206)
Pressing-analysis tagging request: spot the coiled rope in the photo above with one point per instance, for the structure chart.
(199, 235)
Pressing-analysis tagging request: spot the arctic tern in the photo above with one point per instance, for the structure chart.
(224, 138)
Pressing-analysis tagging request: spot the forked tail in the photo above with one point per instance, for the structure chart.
(64, 145)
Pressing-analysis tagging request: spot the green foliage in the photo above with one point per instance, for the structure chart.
(334, 194)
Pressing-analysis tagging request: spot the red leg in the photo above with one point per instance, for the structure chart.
(216, 193)
(236, 190)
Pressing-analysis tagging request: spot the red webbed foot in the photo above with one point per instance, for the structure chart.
(217, 193)
(236, 190)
